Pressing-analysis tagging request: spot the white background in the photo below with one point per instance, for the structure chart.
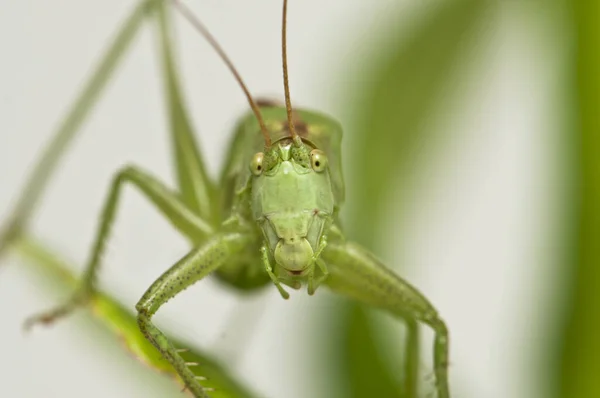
(474, 244)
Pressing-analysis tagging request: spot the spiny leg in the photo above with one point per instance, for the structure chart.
(198, 263)
(168, 204)
(356, 273)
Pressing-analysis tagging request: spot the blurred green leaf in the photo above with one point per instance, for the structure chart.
(389, 115)
(410, 74)
(579, 362)
(122, 324)
(372, 379)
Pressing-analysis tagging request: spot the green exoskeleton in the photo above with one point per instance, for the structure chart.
(272, 217)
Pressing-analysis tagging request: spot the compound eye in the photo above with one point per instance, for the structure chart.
(256, 165)
(318, 160)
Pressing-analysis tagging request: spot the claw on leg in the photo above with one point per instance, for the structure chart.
(49, 317)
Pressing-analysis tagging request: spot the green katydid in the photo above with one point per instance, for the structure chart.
(275, 219)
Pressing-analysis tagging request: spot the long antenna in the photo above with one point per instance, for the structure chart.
(286, 85)
(199, 26)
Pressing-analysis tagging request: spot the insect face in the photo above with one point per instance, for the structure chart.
(292, 202)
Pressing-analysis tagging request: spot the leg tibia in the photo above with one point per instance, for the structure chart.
(356, 273)
(194, 266)
(162, 344)
(441, 356)
(198, 263)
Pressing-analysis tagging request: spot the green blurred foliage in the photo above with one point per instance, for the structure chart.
(389, 116)
(361, 367)
(579, 361)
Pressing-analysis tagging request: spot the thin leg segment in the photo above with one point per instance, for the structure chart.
(167, 202)
(67, 130)
(411, 363)
(197, 190)
(356, 273)
(198, 263)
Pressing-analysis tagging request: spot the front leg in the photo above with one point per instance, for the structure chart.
(356, 273)
(166, 201)
(198, 263)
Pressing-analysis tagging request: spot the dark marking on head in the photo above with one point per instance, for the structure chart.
(299, 125)
(268, 103)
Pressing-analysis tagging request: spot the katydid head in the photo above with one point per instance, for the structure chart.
(292, 195)
(292, 202)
